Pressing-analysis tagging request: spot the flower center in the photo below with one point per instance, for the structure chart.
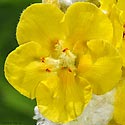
(66, 59)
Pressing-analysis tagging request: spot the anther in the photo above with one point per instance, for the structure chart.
(56, 41)
(63, 67)
(65, 49)
(69, 70)
(48, 70)
(124, 26)
(123, 34)
(43, 59)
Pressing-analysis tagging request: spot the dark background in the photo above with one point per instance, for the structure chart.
(15, 109)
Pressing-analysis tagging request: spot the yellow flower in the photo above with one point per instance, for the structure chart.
(110, 8)
(116, 12)
(119, 104)
(61, 56)
(121, 6)
(106, 5)
(123, 51)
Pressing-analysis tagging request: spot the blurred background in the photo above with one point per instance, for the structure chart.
(15, 109)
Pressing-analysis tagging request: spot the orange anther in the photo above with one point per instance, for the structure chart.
(69, 70)
(43, 59)
(48, 70)
(56, 41)
(123, 34)
(65, 49)
(124, 26)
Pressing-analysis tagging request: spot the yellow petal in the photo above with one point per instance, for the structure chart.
(119, 110)
(117, 22)
(121, 5)
(40, 23)
(54, 2)
(123, 52)
(107, 4)
(62, 97)
(24, 69)
(96, 2)
(84, 22)
(101, 66)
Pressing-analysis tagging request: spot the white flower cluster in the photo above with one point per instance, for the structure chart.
(98, 112)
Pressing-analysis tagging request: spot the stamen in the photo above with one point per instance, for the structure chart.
(65, 49)
(48, 70)
(58, 46)
(64, 60)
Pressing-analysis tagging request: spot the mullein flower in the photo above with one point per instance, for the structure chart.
(115, 15)
(120, 5)
(116, 12)
(62, 58)
(119, 103)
